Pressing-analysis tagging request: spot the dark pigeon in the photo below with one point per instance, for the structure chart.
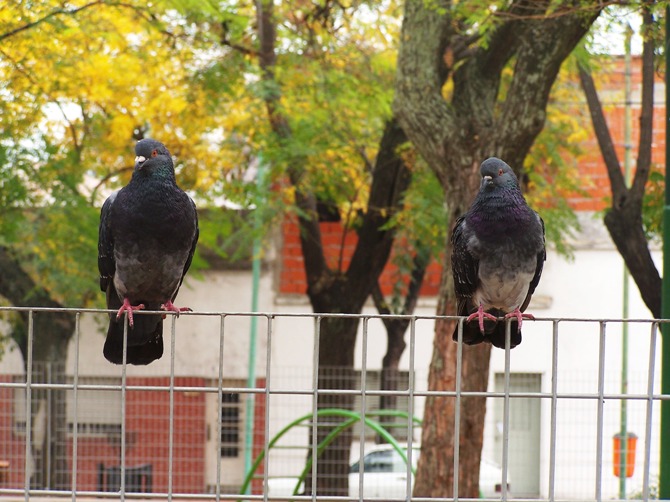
(497, 258)
(148, 234)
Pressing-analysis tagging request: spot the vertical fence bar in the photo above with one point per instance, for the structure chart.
(506, 403)
(650, 406)
(75, 405)
(457, 407)
(171, 416)
(410, 408)
(554, 408)
(219, 402)
(49, 418)
(268, 381)
(29, 397)
(601, 405)
(361, 446)
(315, 402)
(122, 442)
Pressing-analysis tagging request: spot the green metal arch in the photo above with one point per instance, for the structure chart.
(352, 417)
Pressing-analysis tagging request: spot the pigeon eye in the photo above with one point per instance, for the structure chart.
(500, 172)
(155, 152)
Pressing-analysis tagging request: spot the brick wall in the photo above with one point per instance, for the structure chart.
(147, 438)
(339, 244)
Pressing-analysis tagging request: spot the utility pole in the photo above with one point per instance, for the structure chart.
(664, 475)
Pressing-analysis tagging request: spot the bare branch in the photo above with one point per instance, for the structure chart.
(617, 181)
(647, 110)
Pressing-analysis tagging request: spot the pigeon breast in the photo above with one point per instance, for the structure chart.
(153, 235)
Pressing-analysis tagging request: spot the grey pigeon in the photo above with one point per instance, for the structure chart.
(148, 234)
(497, 258)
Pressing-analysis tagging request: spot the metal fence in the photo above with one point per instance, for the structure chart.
(185, 428)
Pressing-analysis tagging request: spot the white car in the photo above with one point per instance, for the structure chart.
(385, 476)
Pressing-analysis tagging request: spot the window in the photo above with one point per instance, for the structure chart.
(230, 425)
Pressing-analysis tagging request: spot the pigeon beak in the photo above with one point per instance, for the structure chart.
(487, 180)
(139, 160)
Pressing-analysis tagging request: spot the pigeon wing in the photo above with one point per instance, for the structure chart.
(464, 266)
(187, 265)
(541, 258)
(106, 263)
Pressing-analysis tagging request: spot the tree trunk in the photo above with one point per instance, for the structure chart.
(454, 136)
(395, 334)
(337, 339)
(390, 374)
(333, 291)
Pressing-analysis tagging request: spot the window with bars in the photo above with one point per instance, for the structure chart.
(230, 425)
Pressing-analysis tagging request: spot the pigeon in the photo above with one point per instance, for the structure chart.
(147, 237)
(497, 258)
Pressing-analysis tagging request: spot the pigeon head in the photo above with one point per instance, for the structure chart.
(151, 157)
(496, 173)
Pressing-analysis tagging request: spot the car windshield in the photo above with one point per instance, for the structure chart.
(384, 461)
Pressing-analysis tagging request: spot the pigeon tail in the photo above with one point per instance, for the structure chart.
(497, 336)
(145, 338)
(135, 354)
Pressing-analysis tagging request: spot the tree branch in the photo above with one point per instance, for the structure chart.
(617, 181)
(624, 219)
(643, 165)
(57, 12)
(546, 43)
(65, 12)
(390, 180)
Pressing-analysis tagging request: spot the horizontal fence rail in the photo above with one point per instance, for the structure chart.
(185, 426)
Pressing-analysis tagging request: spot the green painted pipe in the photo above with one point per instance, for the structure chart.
(253, 328)
(664, 474)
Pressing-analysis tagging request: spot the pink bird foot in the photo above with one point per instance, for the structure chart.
(169, 306)
(519, 316)
(480, 315)
(127, 307)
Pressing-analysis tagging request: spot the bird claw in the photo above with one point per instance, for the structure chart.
(127, 307)
(480, 315)
(519, 316)
(170, 307)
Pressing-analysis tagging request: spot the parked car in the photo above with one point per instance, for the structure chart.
(385, 476)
